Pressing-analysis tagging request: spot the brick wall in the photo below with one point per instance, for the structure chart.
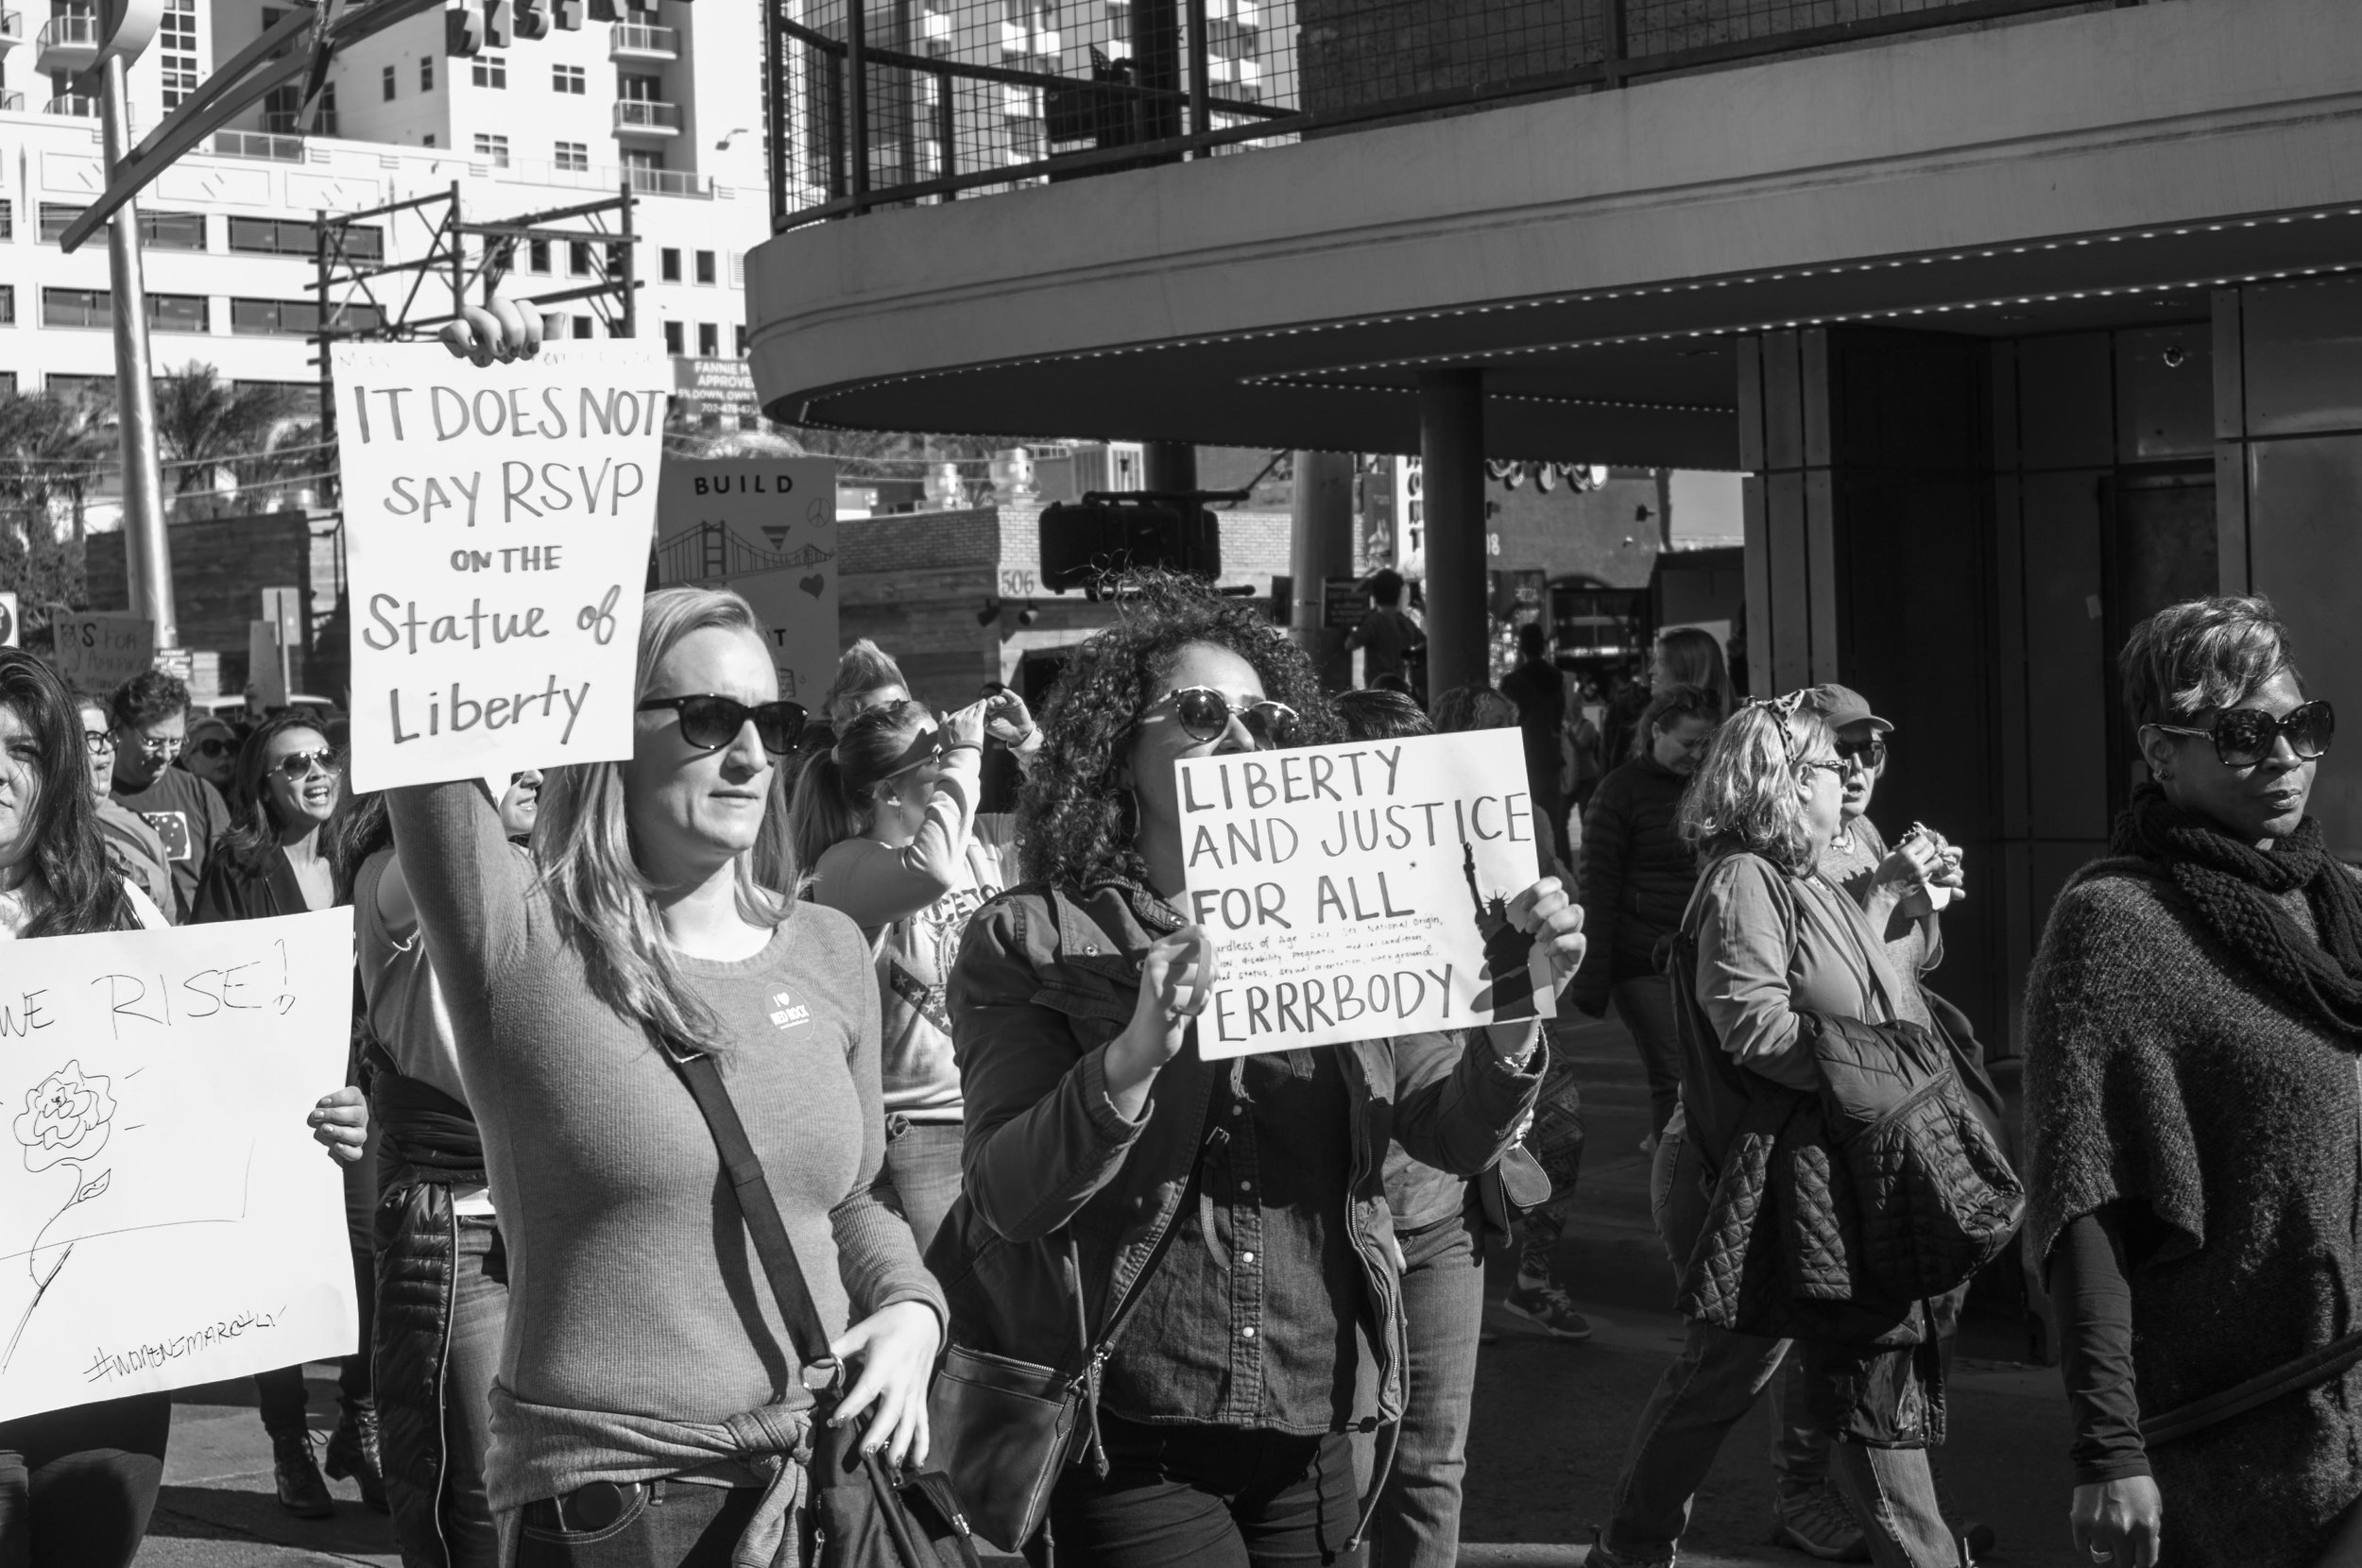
(914, 584)
(219, 568)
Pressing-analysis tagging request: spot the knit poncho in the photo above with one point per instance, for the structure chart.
(2160, 1072)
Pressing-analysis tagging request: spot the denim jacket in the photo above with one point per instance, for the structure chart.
(1047, 978)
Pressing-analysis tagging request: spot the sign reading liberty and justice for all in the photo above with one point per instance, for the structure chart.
(165, 1218)
(499, 521)
(1361, 891)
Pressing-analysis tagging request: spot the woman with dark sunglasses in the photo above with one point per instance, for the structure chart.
(275, 861)
(210, 751)
(2194, 1124)
(887, 820)
(1222, 1409)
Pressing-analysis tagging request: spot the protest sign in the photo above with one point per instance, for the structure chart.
(766, 527)
(97, 650)
(1361, 891)
(165, 1218)
(497, 524)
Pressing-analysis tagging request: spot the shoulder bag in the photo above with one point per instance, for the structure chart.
(1005, 1430)
(864, 1516)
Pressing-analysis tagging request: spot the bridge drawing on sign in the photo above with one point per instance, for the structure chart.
(711, 551)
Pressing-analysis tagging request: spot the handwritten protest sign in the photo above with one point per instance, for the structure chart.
(1361, 890)
(497, 526)
(766, 528)
(98, 649)
(165, 1218)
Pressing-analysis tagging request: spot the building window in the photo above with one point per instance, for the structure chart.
(574, 156)
(55, 218)
(668, 264)
(578, 259)
(553, 326)
(489, 70)
(582, 326)
(8, 378)
(675, 339)
(638, 89)
(94, 307)
(493, 148)
(427, 139)
(173, 231)
(387, 82)
(426, 74)
(569, 78)
(177, 42)
(616, 261)
(58, 384)
(8, 318)
(708, 340)
(742, 340)
(706, 271)
(294, 237)
(297, 318)
(8, 218)
(537, 256)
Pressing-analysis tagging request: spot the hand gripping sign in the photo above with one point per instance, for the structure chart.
(1361, 891)
(165, 1218)
(498, 528)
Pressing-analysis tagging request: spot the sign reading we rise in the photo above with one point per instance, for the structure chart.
(498, 523)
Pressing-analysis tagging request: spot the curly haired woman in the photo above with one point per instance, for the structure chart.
(1225, 1401)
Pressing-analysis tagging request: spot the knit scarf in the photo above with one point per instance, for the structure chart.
(2234, 885)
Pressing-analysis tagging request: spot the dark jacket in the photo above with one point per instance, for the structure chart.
(1637, 877)
(229, 891)
(1047, 977)
(1835, 1212)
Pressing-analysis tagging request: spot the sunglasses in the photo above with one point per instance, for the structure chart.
(1205, 713)
(1871, 753)
(214, 747)
(1837, 765)
(2244, 737)
(297, 765)
(709, 722)
(96, 741)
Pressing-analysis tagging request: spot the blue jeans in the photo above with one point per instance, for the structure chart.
(1443, 1300)
(920, 1179)
(1713, 1383)
(666, 1524)
(479, 1316)
(1207, 1497)
(78, 1485)
(1646, 1006)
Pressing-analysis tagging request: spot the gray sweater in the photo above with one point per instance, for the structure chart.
(2162, 1075)
(634, 1289)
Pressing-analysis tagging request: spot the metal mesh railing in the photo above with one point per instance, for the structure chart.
(884, 102)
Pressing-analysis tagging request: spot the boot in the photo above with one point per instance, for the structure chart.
(301, 1492)
(352, 1452)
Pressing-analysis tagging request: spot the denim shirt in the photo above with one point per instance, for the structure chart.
(1047, 978)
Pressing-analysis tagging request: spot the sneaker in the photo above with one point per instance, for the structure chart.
(352, 1452)
(301, 1492)
(1600, 1557)
(1819, 1523)
(1548, 1307)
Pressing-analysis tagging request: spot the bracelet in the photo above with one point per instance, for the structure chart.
(964, 745)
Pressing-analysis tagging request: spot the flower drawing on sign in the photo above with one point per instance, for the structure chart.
(66, 1121)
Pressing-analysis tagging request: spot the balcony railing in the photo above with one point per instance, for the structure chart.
(645, 117)
(11, 30)
(864, 112)
(638, 41)
(81, 106)
(671, 182)
(256, 144)
(11, 102)
(67, 44)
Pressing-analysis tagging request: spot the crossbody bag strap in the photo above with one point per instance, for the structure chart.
(762, 1211)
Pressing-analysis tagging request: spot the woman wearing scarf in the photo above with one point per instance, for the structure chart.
(2192, 1022)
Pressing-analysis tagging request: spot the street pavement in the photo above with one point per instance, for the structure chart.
(1551, 1426)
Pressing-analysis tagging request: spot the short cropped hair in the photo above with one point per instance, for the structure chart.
(150, 695)
(1746, 795)
(1386, 587)
(2203, 653)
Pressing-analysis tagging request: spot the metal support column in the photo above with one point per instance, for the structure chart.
(857, 97)
(147, 549)
(1321, 548)
(1451, 445)
(1170, 467)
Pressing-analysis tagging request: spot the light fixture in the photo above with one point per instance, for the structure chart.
(990, 613)
(731, 135)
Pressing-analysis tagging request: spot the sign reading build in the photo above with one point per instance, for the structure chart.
(764, 527)
(1361, 891)
(498, 527)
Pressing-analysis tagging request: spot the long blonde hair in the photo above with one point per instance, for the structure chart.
(603, 905)
(1747, 794)
(1690, 656)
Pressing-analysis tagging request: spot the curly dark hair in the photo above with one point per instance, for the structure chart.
(1071, 818)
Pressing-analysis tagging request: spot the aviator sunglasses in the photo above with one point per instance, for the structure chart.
(2244, 737)
(297, 765)
(1205, 713)
(709, 722)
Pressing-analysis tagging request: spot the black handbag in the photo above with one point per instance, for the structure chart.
(1005, 1430)
(863, 1514)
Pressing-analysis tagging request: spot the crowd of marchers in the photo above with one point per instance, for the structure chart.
(825, 1083)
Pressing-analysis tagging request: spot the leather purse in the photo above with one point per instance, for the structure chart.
(1004, 1430)
(864, 1514)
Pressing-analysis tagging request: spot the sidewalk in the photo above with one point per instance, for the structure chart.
(1551, 1423)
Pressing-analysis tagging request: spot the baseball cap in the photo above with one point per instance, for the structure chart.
(1839, 706)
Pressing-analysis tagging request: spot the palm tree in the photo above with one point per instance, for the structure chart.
(204, 423)
(53, 450)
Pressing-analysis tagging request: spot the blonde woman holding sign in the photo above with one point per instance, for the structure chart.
(1095, 1128)
(650, 1399)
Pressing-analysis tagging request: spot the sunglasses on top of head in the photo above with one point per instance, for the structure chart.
(2244, 737)
(1205, 713)
(709, 722)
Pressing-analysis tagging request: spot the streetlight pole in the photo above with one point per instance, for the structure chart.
(147, 551)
